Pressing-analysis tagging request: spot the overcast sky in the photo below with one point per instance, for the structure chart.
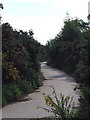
(44, 17)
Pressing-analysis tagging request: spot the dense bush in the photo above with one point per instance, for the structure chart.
(20, 64)
(43, 53)
(69, 51)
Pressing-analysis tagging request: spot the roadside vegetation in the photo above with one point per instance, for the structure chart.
(62, 107)
(20, 64)
(69, 51)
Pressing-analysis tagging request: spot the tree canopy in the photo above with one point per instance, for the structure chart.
(69, 51)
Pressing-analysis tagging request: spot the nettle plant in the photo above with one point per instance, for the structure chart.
(62, 108)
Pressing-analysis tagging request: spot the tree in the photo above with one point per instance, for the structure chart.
(70, 51)
(1, 6)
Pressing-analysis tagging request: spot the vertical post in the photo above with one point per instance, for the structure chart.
(1, 7)
(89, 13)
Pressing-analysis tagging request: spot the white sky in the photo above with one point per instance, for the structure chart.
(44, 17)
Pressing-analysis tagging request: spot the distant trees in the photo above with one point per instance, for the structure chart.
(20, 64)
(1, 5)
(42, 53)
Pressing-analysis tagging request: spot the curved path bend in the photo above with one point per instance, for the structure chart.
(62, 82)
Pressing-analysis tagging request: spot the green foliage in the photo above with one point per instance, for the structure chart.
(10, 93)
(1, 5)
(84, 109)
(70, 51)
(14, 92)
(42, 53)
(20, 64)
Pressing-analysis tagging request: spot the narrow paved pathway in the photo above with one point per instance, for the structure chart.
(28, 109)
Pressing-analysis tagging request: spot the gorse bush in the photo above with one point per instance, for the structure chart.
(62, 108)
(20, 63)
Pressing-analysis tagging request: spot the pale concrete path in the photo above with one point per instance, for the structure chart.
(28, 109)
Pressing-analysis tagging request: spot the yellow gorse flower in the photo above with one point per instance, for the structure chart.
(45, 98)
(37, 107)
(68, 96)
(14, 68)
(57, 101)
(54, 104)
(50, 101)
(45, 103)
(48, 110)
(14, 77)
(43, 93)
